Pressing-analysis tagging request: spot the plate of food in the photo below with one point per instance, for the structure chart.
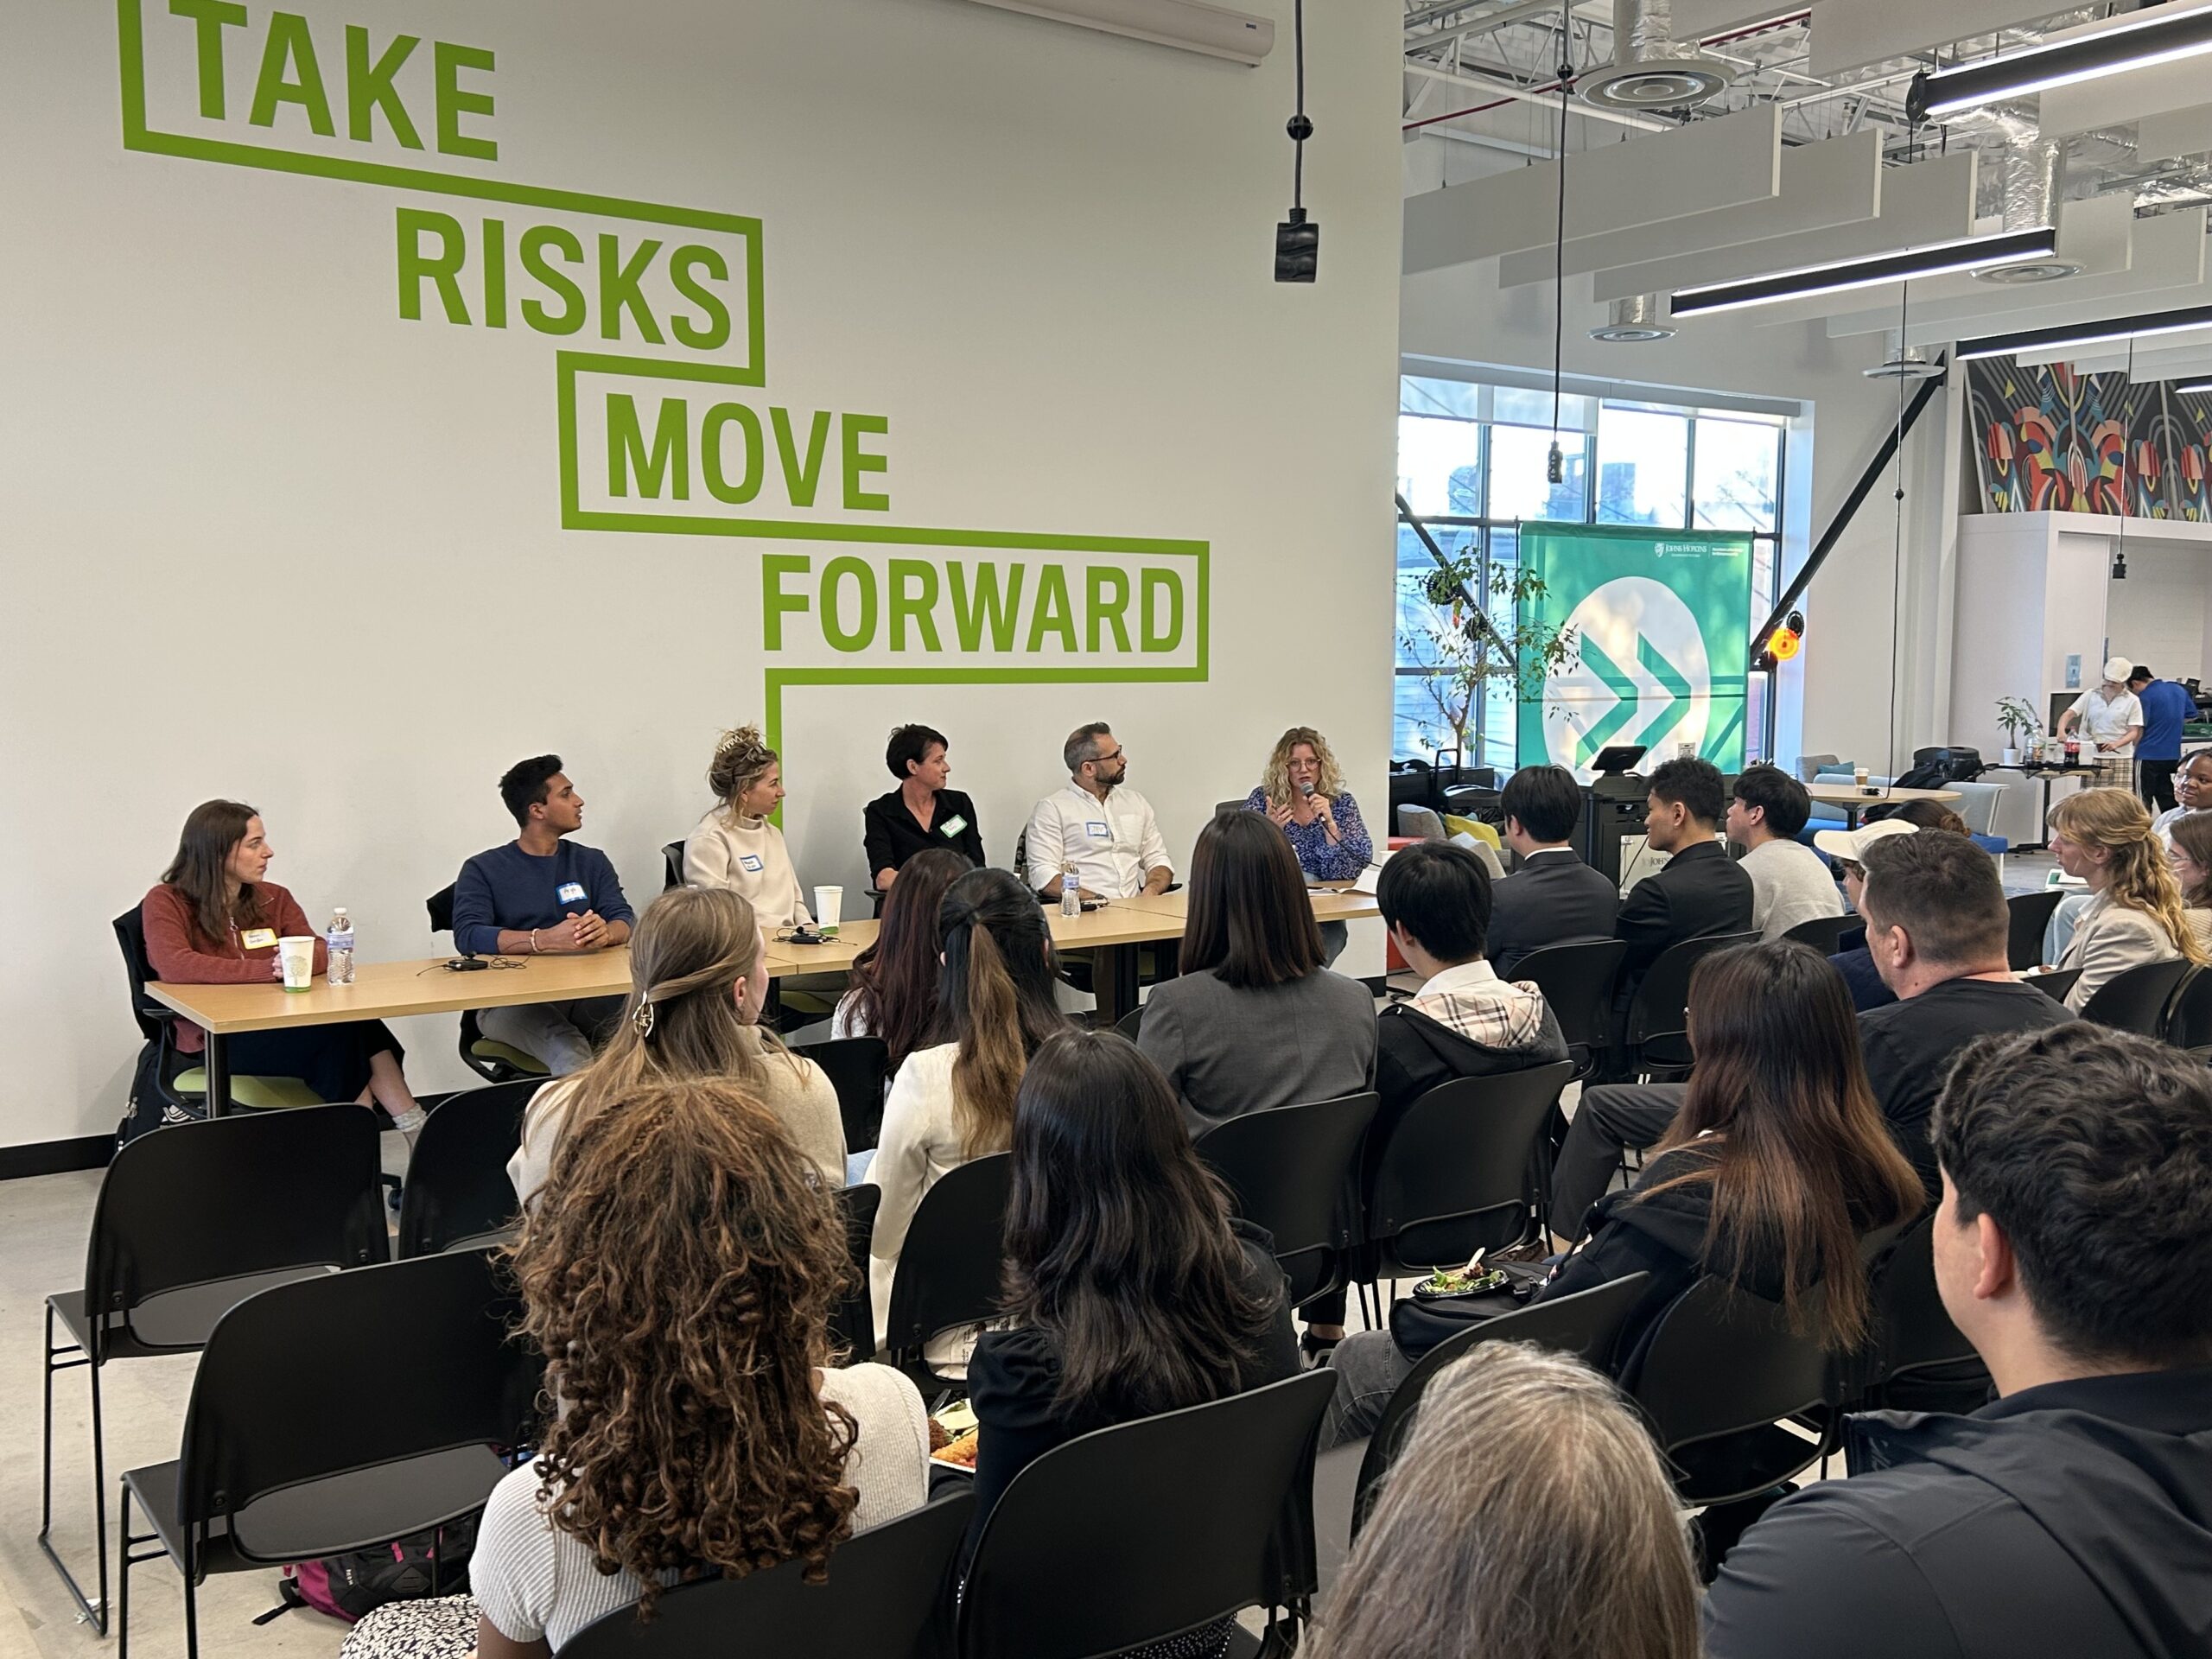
(957, 1451)
(1446, 1284)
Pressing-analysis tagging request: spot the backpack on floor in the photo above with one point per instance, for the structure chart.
(348, 1586)
(444, 1629)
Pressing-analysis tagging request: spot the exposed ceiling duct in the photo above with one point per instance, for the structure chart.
(2034, 170)
(1638, 318)
(1902, 362)
(1650, 70)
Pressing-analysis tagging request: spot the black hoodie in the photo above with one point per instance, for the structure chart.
(2071, 1521)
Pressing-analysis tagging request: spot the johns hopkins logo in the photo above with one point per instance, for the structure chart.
(1643, 677)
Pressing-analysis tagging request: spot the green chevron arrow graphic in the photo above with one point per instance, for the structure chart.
(1671, 680)
(1622, 711)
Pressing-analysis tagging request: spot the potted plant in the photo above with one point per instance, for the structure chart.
(2017, 721)
(1465, 653)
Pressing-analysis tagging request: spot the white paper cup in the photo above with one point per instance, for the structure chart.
(297, 953)
(1858, 775)
(828, 904)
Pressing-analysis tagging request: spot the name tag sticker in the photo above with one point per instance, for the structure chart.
(1097, 831)
(952, 826)
(259, 939)
(751, 861)
(571, 893)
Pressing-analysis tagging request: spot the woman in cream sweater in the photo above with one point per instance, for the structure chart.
(2134, 914)
(735, 846)
(696, 991)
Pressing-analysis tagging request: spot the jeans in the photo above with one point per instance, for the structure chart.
(1368, 1369)
(1613, 1116)
(563, 1034)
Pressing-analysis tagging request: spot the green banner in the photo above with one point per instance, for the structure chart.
(1662, 622)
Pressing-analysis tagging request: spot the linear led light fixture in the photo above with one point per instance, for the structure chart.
(2146, 326)
(1935, 259)
(2194, 386)
(2160, 34)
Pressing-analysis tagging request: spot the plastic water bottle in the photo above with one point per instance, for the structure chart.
(1071, 892)
(339, 937)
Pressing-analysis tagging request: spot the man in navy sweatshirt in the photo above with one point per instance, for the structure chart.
(540, 895)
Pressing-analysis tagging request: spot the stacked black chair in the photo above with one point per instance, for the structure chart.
(458, 1194)
(2031, 919)
(1295, 1172)
(888, 1596)
(334, 1414)
(1658, 1020)
(1151, 1529)
(1131, 1023)
(2136, 999)
(857, 1067)
(1586, 1325)
(1576, 981)
(1822, 933)
(1919, 1358)
(190, 1220)
(493, 1061)
(852, 1323)
(671, 865)
(948, 1277)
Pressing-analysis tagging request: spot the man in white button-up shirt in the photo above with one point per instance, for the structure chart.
(1106, 831)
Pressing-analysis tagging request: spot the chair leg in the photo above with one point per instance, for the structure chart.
(94, 1612)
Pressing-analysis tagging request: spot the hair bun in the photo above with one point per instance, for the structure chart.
(738, 740)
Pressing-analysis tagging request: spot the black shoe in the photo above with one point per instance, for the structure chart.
(1315, 1350)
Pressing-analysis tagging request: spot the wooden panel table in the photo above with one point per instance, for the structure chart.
(1855, 799)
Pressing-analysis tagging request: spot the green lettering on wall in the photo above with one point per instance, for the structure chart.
(1099, 579)
(209, 19)
(444, 270)
(801, 478)
(714, 333)
(917, 604)
(1051, 614)
(290, 46)
(570, 317)
(369, 88)
(495, 273)
(1154, 584)
(710, 453)
(774, 601)
(446, 62)
(833, 621)
(619, 289)
(669, 459)
(985, 605)
(853, 429)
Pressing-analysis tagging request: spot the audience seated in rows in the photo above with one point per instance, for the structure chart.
(2135, 913)
(1847, 849)
(678, 1272)
(1773, 1170)
(215, 918)
(1130, 1290)
(1527, 1515)
(1464, 1021)
(543, 894)
(954, 1101)
(922, 814)
(697, 986)
(1553, 897)
(1790, 883)
(734, 845)
(1700, 894)
(1097, 826)
(1936, 927)
(1254, 1020)
(2072, 1516)
(894, 991)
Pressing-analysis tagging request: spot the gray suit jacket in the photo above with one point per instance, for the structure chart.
(1553, 899)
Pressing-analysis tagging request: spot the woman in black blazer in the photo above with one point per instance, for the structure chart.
(921, 813)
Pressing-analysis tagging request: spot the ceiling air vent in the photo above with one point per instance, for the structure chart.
(1650, 70)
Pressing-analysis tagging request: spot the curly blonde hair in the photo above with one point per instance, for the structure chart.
(679, 1271)
(2141, 878)
(1274, 782)
(741, 755)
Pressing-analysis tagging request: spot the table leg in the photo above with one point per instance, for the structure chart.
(1114, 982)
(216, 1062)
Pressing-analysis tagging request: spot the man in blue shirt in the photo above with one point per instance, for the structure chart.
(2165, 706)
(540, 895)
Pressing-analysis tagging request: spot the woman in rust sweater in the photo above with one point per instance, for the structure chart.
(212, 920)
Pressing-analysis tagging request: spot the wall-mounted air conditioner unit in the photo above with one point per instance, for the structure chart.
(1192, 25)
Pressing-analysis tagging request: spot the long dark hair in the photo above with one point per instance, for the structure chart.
(1249, 920)
(995, 999)
(894, 978)
(1117, 1238)
(201, 870)
(1794, 1146)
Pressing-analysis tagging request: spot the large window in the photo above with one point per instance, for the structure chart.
(1473, 463)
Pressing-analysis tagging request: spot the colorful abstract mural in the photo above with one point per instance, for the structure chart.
(2048, 440)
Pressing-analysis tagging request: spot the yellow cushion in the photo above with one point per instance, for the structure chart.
(267, 1094)
(485, 1049)
(1455, 825)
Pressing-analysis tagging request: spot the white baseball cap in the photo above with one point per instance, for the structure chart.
(1852, 844)
(2117, 668)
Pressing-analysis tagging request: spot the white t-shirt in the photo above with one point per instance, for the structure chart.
(536, 1583)
(2108, 721)
(1112, 844)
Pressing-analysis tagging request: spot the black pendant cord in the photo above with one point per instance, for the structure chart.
(1896, 541)
(1300, 128)
(1555, 464)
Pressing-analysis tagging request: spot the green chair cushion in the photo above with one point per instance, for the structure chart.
(266, 1094)
(485, 1049)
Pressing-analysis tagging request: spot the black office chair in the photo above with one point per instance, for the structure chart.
(1822, 933)
(311, 1432)
(1657, 1030)
(858, 1067)
(1586, 1325)
(671, 862)
(888, 1596)
(1456, 1173)
(491, 1060)
(948, 1277)
(1152, 1528)
(2189, 1016)
(1576, 981)
(1236, 806)
(2137, 999)
(1132, 1023)
(2057, 984)
(190, 1220)
(2029, 914)
(852, 1322)
(183, 1088)
(1721, 1371)
(1295, 1172)
(457, 1195)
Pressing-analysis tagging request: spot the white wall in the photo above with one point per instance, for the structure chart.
(2157, 615)
(266, 539)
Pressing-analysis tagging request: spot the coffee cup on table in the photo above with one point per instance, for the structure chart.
(828, 904)
(295, 956)
(1858, 776)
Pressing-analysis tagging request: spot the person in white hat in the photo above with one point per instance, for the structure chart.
(2109, 713)
(1847, 848)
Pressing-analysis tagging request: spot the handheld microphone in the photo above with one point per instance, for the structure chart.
(1305, 788)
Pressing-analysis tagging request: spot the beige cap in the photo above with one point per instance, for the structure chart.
(2117, 668)
(1853, 844)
